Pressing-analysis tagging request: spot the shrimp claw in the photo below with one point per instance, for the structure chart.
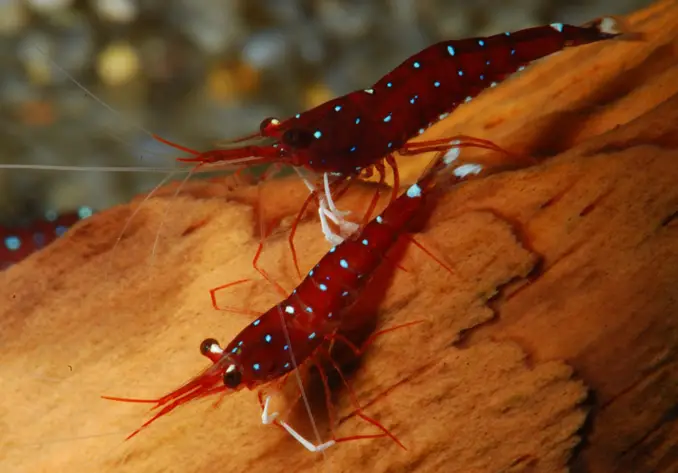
(268, 419)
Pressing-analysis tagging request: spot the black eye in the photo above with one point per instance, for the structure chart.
(297, 138)
(232, 377)
(267, 124)
(207, 346)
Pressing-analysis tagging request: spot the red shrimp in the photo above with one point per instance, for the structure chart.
(19, 242)
(358, 131)
(293, 331)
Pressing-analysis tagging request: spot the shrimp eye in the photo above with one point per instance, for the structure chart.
(267, 124)
(232, 377)
(209, 345)
(297, 138)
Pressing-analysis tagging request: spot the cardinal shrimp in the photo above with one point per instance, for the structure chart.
(356, 133)
(294, 331)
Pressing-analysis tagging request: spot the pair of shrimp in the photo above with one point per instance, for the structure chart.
(360, 131)
(294, 331)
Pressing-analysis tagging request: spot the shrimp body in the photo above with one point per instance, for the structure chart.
(314, 310)
(356, 131)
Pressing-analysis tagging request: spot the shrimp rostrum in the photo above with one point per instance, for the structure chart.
(295, 330)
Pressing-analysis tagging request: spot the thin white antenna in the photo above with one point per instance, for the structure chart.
(91, 94)
(131, 217)
(59, 167)
(164, 216)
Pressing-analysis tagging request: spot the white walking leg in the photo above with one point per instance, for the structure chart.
(328, 210)
(267, 419)
(330, 236)
(346, 227)
(330, 200)
(325, 213)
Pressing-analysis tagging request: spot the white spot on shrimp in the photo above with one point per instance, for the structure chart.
(416, 65)
(387, 118)
(337, 108)
(84, 212)
(12, 243)
(481, 42)
(256, 366)
(344, 294)
(379, 219)
(487, 63)
(468, 99)
(256, 322)
(329, 316)
(521, 68)
(460, 72)
(309, 309)
(513, 52)
(436, 84)
(421, 130)
(268, 338)
(493, 84)
(609, 26)
(310, 273)
(240, 343)
(317, 134)
(353, 148)
(443, 116)
(343, 263)
(507, 33)
(286, 347)
(414, 191)
(333, 249)
(322, 287)
(390, 145)
(450, 50)
(286, 365)
(365, 242)
(557, 26)
(357, 120)
(389, 84)
(369, 91)
(297, 116)
(466, 169)
(413, 99)
(482, 77)
(289, 309)
(312, 336)
(452, 154)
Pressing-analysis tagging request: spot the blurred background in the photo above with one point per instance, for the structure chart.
(197, 71)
